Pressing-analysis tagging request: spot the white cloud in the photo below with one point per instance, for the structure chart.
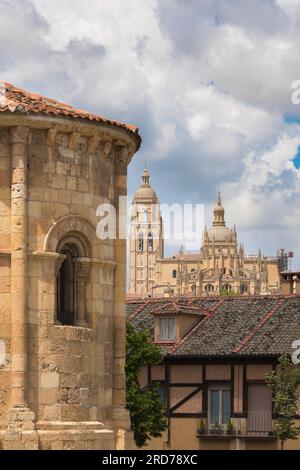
(268, 191)
(289, 6)
(209, 86)
(253, 67)
(221, 110)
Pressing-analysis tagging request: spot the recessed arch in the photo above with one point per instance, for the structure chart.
(72, 278)
(78, 241)
(209, 288)
(77, 226)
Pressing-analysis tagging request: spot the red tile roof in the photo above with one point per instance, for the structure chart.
(176, 308)
(236, 327)
(13, 99)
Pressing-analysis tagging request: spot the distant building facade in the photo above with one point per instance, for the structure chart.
(217, 352)
(220, 265)
(290, 282)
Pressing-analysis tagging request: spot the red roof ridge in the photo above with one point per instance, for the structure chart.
(217, 306)
(180, 307)
(17, 99)
(134, 314)
(266, 317)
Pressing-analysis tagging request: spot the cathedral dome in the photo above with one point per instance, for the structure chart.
(219, 233)
(145, 193)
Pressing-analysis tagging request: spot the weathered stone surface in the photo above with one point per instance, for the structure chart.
(53, 175)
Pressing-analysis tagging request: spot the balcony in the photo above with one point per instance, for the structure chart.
(257, 425)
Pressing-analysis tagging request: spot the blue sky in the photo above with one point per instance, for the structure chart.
(296, 159)
(207, 81)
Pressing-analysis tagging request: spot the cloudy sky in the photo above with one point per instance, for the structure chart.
(208, 82)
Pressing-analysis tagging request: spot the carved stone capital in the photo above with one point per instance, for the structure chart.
(106, 147)
(74, 140)
(51, 137)
(19, 135)
(93, 142)
(59, 261)
(82, 269)
(121, 153)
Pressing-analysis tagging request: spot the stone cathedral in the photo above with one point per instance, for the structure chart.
(220, 265)
(62, 289)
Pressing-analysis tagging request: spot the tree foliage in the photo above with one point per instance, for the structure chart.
(228, 293)
(147, 412)
(284, 383)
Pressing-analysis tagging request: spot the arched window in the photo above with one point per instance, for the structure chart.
(243, 288)
(141, 242)
(66, 287)
(174, 274)
(209, 288)
(150, 242)
(71, 281)
(227, 287)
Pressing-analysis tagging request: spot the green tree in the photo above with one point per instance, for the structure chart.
(146, 408)
(284, 383)
(227, 293)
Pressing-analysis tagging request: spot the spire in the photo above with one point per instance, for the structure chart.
(145, 177)
(219, 212)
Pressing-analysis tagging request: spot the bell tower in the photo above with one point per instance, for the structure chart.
(146, 239)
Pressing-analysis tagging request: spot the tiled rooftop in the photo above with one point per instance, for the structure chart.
(17, 100)
(233, 326)
(177, 308)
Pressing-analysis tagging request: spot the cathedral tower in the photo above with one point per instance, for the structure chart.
(146, 238)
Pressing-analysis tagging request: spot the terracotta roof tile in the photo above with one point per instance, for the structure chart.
(176, 308)
(260, 326)
(17, 100)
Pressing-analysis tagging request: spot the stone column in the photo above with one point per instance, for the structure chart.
(82, 273)
(21, 432)
(19, 136)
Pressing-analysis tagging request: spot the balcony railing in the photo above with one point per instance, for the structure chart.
(256, 424)
(259, 423)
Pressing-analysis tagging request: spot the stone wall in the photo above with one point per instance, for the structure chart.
(53, 177)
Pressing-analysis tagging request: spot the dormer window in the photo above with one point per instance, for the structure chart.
(167, 329)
